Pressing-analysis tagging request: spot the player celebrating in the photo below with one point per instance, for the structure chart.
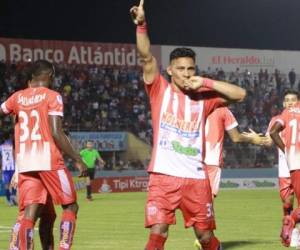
(39, 140)
(219, 121)
(8, 167)
(179, 109)
(285, 187)
(289, 121)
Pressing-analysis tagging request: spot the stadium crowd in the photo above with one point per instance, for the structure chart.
(265, 92)
(114, 99)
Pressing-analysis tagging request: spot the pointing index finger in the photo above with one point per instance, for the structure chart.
(141, 3)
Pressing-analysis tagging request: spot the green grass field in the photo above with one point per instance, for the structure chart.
(246, 220)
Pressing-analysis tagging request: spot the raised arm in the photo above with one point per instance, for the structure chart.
(150, 68)
(62, 141)
(274, 133)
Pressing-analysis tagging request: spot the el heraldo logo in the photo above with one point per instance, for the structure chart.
(2, 52)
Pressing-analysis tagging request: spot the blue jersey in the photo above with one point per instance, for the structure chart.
(7, 155)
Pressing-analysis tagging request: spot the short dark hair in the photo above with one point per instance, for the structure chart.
(41, 67)
(291, 92)
(24, 77)
(182, 52)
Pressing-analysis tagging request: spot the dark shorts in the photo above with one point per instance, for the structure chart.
(6, 176)
(91, 173)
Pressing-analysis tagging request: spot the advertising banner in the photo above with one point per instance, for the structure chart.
(86, 53)
(125, 55)
(231, 59)
(120, 184)
(103, 141)
(139, 184)
(249, 183)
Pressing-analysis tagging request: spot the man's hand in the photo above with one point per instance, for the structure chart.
(82, 168)
(101, 164)
(138, 13)
(193, 83)
(257, 139)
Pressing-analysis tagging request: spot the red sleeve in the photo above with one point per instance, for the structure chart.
(155, 87)
(229, 120)
(283, 118)
(211, 101)
(9, 106)
(271, 124)
(204, 89)
(55, 104)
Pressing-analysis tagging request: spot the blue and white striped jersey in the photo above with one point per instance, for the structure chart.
(7, 155)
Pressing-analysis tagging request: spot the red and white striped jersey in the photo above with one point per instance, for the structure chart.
(7, 155)
(283, 168)
(217, 122)
(178, 122)
(290, 120)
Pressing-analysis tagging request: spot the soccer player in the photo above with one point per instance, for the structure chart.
(289, 121)
(8, 167)
(219, 121)
(179, 109)
(90, 155)
(284, 178)
(39, 143)
(47, 215)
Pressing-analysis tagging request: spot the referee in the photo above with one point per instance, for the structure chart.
(90, 155)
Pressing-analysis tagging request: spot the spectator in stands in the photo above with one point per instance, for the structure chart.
(292, 78)
(101, 98)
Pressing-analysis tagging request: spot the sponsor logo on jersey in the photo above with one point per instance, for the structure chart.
(183, 128)
(177, 147)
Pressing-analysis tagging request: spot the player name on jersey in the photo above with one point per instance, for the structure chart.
(27, 101)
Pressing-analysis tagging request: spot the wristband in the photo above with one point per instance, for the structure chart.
(141, 28)
(208, 83)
